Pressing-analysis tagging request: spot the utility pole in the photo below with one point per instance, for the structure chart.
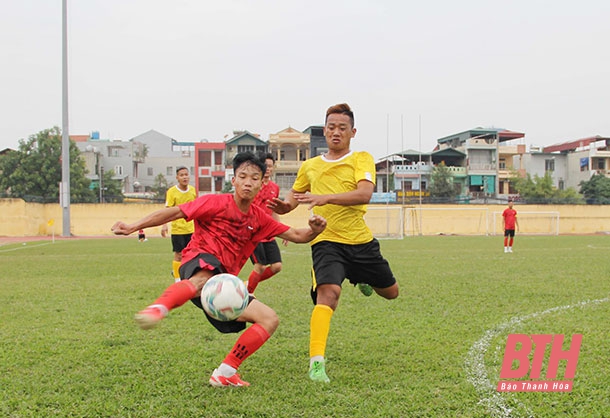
(64, 189)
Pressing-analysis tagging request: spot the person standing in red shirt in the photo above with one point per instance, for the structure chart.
(227, 229)
(509, 222)
(266, 257)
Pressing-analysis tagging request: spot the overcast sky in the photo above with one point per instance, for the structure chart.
(198, 69)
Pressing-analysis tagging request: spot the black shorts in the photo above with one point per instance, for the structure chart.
(209, 262)
(363, 263)
(179, 242)
(266, 253)
(509, 232)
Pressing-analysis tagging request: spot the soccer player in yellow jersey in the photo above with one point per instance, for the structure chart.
(338, 185)
(181, 229)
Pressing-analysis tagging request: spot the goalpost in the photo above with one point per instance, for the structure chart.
(530, 223)
(386, 221)
(447, 221)
(396, 221)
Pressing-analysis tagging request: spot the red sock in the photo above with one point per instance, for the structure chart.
(255, 278)
(510, 243)
(505, 241)
(251, 340)
(177, 295)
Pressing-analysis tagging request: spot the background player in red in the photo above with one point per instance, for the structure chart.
(227, 229)
(509, 221)
(266, 258)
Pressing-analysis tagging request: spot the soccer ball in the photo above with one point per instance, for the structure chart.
(224, 297)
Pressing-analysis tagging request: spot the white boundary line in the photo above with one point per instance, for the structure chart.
(475, 362)
(24, 246)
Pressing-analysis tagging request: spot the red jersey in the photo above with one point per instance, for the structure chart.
(267, 192)
(222, 230)
(509, 218)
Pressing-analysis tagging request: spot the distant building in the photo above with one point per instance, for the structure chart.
(569, 163)
(290, 148)
(486, 150)
(160, 155)
(243, 141)
(210, 172)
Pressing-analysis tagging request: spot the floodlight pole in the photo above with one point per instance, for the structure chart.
(64, 190)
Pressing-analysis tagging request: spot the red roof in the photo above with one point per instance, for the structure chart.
(571, 145)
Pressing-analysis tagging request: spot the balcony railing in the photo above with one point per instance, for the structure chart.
(412, 169)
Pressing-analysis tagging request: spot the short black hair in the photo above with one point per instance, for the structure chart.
(248, 157)
(181, 168)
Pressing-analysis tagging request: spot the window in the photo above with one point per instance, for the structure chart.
(502, 164)
(244, 148)
(218, 158)
(549, 165)
(205, 158)
(561, 185)
(118, 170)
(169, 170)
(601, 164)
(205, 184)
(149, 171)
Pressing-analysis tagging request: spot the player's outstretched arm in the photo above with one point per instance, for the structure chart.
(280, 206)
(154, 219)
(360, 196)
(317, 224)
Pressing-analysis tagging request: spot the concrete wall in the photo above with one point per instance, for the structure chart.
(20, 218)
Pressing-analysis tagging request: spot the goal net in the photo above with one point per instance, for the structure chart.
(386, 221)
(530, 223)
(446, 221)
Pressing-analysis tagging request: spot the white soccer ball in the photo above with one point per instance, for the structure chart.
(224, 297)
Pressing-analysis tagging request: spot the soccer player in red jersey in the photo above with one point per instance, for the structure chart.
(227, 229)
(266, 258)
(509, 221)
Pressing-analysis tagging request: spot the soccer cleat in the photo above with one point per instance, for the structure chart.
(510, 249)
(317, 372)
(150, 316)
(365, 289)
(220, 381)
(505, 249)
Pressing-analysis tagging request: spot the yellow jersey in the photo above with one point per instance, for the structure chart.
(345, 224)
(174, 197)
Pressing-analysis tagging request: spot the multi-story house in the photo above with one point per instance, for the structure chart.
(290, 148)
(210, 173)
(159, 155)
(317, 140)
(485, 150)
(575, 161)
(103, 155)
(243, 141)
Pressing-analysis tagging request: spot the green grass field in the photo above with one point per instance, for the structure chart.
(69, 346)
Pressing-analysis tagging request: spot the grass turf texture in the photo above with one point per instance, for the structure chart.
(69, 346)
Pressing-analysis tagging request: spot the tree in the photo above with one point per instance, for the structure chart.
(34, 171)
(442, 182)
(596, 189)
(541, 190)
(160, 186)
(227, 187)
(111, 192)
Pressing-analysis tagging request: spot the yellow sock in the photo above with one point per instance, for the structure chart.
(176, 268)
(319, 328)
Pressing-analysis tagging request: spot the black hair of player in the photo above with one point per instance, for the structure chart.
(248, 157)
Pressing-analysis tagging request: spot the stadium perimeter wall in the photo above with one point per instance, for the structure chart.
(21, 219)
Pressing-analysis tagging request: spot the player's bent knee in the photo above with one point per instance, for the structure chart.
(388, 293)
